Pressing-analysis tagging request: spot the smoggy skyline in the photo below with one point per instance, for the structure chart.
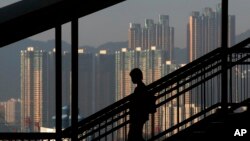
(111, 24)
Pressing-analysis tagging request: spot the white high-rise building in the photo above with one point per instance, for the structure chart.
(33, 88)
(12, 111)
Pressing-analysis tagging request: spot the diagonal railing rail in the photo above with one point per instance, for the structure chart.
(184, 97)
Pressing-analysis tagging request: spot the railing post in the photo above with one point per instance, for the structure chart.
(74, 70)
(178, 105)
(224, 45)
(230, 80)
(58, 72)
(152, 125)
(74, 83)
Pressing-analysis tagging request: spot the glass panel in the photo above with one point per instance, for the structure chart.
(38, 84)
(27, 85)
(10, 88)
(66, 75)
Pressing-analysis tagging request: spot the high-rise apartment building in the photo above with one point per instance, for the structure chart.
(66, 79)
(104, 79)
(85, 82)
(150, 62)
(96, 81)
(124, 63)
(50, 107)
(37, 89)
(203, 36)
(33, 89)
(231, 30)
(150, 37)
(12, 112)
(86, 94)
(160, 35)
(96, 85)
(204, 32)
(134, 35)
(194, 36)
(165, 36)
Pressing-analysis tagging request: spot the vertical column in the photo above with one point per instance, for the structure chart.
(224, 45)
(58, 55)
(74, 84)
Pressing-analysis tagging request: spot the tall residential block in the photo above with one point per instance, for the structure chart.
(33, 89)
(86, 94)
(150, 62)
(134, 35)
(104, 79)
(12, 112)
(159, 34)
(37, 89)
(96, 80)
(204, 32)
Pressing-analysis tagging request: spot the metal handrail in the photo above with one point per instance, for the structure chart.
(178, 75)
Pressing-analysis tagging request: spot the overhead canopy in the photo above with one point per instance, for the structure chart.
(29, 17)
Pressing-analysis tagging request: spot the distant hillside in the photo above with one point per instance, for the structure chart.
(112, 47)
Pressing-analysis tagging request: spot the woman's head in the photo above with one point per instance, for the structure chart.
(136, 75)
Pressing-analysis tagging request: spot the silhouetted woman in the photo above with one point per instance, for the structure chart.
(138, 112)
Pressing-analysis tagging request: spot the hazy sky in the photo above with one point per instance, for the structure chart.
(111, 24)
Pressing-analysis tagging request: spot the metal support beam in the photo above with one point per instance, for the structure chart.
(74, 83)
(18, 18)
(224, 45)
(58, 72)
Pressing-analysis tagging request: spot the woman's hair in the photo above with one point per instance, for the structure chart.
(136, 73)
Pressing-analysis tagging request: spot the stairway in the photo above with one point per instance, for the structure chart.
(218, 126)
(198, 80)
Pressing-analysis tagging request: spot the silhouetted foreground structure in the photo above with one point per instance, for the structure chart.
(199, 80)
(26, 18)
(191, 97)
